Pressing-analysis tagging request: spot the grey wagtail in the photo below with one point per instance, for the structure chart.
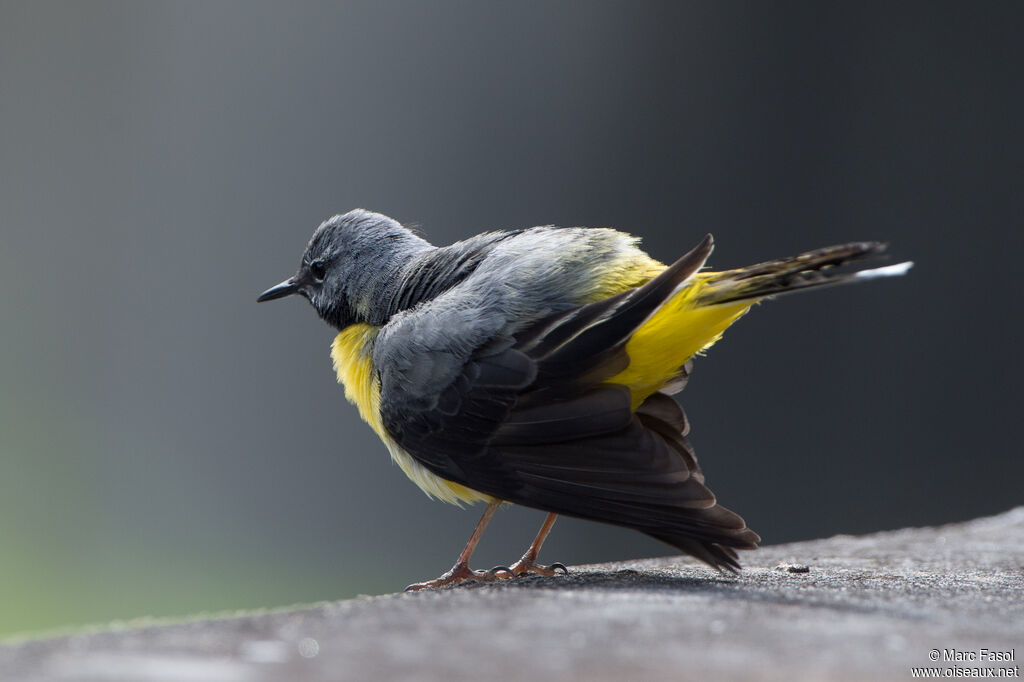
(537, 366)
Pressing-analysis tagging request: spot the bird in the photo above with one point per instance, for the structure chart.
(539, 367)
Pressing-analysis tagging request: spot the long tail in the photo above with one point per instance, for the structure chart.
(820, 268)
(707, 303)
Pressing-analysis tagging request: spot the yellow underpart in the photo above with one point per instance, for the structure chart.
(352, 354)
(676, 332)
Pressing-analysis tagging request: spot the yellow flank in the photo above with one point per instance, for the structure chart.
(352, 354)
(675, 333)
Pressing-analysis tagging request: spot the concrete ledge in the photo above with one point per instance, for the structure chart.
(868, 607)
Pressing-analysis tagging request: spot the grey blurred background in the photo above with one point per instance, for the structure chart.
(168, 446)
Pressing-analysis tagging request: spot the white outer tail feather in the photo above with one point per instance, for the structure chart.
(886, 271)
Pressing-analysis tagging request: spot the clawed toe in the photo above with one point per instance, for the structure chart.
(459, 574)
(527, 564)
(526, 567)
(462, 573)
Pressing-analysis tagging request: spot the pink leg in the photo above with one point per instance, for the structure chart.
(527, 565)
(461, 570)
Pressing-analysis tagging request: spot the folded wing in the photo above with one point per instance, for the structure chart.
(530, 417)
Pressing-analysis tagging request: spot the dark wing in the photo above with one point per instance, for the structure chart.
(530, 418)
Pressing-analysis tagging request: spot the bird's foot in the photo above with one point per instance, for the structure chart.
(528, 565)
(461, 573)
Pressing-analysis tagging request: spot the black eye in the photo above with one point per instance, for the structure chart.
(318, 270)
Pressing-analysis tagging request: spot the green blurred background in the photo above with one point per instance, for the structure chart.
(169, 447)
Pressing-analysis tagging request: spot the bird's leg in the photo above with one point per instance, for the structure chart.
(461, 570)
(527, 565)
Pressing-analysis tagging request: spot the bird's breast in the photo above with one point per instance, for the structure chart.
(352, 354)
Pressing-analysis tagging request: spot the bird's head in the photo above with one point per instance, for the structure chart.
(348, 266)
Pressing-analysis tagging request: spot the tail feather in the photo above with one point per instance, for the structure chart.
(718, 556)
(820, 268)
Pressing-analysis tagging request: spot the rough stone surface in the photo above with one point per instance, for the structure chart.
(870, 607)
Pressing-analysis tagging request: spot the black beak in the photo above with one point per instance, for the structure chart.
(285, 288)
